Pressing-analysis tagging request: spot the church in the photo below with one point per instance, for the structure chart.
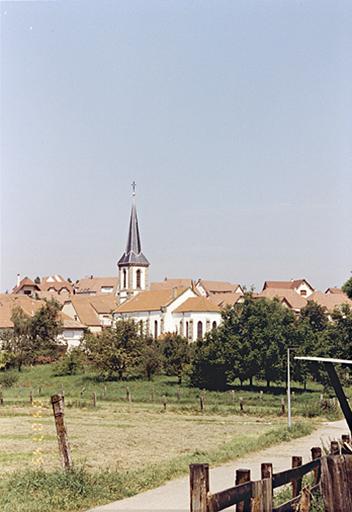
(171, 306)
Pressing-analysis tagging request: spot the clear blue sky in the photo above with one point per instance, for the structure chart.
(233, 117)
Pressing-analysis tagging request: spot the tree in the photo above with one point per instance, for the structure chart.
(209, 362)
(316, 316)
(116, 351)
(176, 354)
(347, 288)
(151, 357)
(33, 337)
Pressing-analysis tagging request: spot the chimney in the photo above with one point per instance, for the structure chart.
(18, 279)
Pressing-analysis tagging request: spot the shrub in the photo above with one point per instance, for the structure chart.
(71, 363)
(7, 380)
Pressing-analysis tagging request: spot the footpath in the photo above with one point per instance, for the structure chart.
(174, 495)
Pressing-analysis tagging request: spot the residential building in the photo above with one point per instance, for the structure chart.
(94, 311)
(96, 286)
(300, 286)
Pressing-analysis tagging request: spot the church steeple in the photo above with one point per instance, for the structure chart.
(133, 265)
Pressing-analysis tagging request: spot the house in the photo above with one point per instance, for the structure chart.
(55, 284)
(93, 311)
(300, 286)
(226, 299)
(330, 301)
(71, 333)
(288, 297)
(25, 286)
(172, 283)
(335, 290)
(96, 286)
(208, 288)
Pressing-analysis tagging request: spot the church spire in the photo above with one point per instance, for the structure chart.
(133, 254)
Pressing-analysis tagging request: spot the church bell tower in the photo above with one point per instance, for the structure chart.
(133, 266)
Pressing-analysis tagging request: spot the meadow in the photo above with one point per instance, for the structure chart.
(138, 435)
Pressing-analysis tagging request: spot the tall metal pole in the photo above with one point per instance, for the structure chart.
(289, 420)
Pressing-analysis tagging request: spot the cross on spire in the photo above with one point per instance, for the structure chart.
(134, 185)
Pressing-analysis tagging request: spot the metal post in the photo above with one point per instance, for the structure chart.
(289, 419)
(335, 381)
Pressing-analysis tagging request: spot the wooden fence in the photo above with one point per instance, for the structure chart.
(257, 496)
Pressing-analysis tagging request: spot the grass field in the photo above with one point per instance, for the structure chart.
(121, 448)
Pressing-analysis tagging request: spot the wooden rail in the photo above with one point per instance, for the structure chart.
(257, 496)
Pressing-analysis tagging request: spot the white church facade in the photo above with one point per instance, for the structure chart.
(178, 309)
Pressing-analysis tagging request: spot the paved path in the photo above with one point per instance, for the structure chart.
(174, 495)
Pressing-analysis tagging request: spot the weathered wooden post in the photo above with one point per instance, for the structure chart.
(128, 394)
(266, 470)
(334, 448)
(316, 454)
(164, 402)
(153, 394)
(241, 404)
(39, 390)
(233, 395)
(199, 487)
(178, 395)
(243, 476)
(345, 450)
(282, 406)
(94, 399)
(201, 402)
(296, 484)
(31, 398)
(262, 496)
(1, 398)
(64, 446)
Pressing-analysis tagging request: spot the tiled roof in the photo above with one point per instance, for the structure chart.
(197, 304)
(334, 290)
(151, 300)
(294, 300)
(330, 300)
(172, 283)
(218, 286)
(287, 285)
(25, 282)
(95, 284)
(225, 299)
(70, 323)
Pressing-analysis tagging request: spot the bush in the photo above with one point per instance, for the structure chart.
(7, 380)
(71, 364)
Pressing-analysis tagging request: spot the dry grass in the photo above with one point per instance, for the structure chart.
(117, 436)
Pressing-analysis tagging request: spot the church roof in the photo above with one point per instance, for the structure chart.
(198, 304)
(133, 254)
(150, 300)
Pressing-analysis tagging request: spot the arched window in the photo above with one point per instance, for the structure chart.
(187, 330)
(155, 329)
(124, 278)
(138, 279)
(200, 330)
(214, 325)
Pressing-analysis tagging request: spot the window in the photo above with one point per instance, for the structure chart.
(303, 292)
(138, 279)
(155, 329)
(214, 325)
(187, 330)
(200, 330)
(124, 278)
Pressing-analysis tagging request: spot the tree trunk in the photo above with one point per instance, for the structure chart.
(251, 381)
(267, 383)
(180, 379)
(305, 385)
(241, 383)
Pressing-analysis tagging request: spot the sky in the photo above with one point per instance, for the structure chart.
(233, 117)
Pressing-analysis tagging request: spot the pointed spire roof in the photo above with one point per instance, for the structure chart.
(133, 254)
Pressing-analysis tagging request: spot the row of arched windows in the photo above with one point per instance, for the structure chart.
(138, 278)
(188, 334)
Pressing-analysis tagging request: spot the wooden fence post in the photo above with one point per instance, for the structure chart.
(243, 476)
(335, 483)
(199, 487)
(282, 406)
(262, 496)
(316, 454)
(64, 446)
(128, 395)
(164, 402)
(31, 397)
(1, 398)
(266, 470)
(241, 404)
(296, 484)
(334, 448)
(94, 399)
